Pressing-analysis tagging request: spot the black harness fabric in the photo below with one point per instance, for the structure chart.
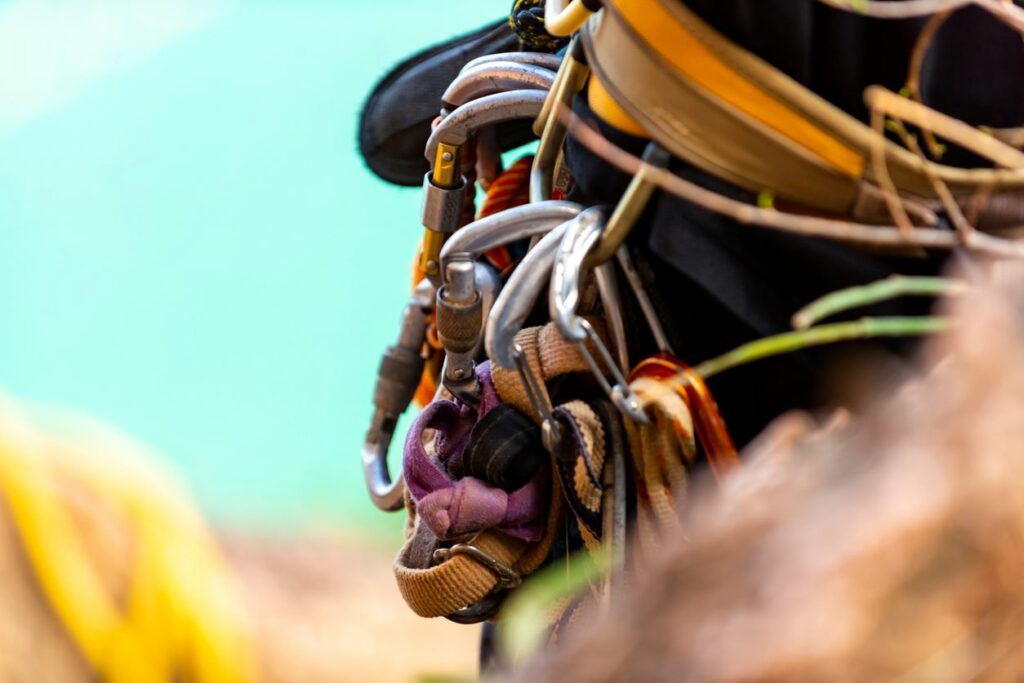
(973, 70)
(717, 284)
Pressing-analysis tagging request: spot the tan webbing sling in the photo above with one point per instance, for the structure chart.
(661, 71)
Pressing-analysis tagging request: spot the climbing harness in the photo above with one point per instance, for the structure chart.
(561, 313)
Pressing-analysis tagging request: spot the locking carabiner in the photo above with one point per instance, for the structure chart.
(463, 303)
(397, 378)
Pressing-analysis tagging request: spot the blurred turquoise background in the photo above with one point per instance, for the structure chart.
(190, 247)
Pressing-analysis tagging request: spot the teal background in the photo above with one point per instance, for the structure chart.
(190, 247)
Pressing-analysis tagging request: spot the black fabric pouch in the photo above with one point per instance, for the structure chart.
(395, 121)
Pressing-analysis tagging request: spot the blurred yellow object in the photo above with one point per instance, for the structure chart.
(180, 617)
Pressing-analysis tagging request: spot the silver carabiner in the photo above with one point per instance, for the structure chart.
(456, 128)
(494, 77)
(519, 295)
(564, 295)
(510, 225)
(397, 378)
(542, 59)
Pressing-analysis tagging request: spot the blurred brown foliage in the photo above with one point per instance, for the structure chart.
(890, 547)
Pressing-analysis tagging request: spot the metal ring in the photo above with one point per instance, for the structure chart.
(508, 578)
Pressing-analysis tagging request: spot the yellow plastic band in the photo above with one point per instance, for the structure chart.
(604, 105)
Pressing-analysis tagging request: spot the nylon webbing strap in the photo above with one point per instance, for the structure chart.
(436, 590)
(659, 67)
(440, 590)
(549, 355)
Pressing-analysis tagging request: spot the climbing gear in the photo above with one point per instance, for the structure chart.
(565, 409)
(551, 129)
(397, 378)
(527, 21)
(579, 239)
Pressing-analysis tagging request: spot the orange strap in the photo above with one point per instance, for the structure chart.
(707, 420)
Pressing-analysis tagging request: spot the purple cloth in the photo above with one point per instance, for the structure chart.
(453, 505)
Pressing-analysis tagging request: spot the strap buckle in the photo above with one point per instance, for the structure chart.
(508, 578)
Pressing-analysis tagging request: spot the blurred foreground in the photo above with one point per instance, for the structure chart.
(109, 573)
(884, 547)
(886, 544)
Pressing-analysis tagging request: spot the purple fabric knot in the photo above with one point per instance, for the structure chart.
(453, 505)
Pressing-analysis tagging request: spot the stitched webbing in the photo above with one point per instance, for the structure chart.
(460, 581)
(548, 355)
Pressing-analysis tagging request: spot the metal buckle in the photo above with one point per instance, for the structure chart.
(508, 578)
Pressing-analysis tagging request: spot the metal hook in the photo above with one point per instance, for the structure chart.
(542, 59)
(550, 430)
(566, 277)
(520, 293)
(456, 128)
(486, 607)
(633, 202)
(463, 303)
(646, 307)
(510, 225)
(552, 130)
(397, 378)
(493, 77)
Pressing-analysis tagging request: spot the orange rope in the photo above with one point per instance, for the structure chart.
(511, 188)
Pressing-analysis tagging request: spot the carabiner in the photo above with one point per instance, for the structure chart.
(543, 59)
(520, 293)
(510, 225)
(564, 294)
(561, 19)
(551, 129)
(632, 204)
(456, 128)
(397, 378)
(494, 77)
(444, 185)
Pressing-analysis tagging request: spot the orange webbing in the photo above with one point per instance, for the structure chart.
(708, 423)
